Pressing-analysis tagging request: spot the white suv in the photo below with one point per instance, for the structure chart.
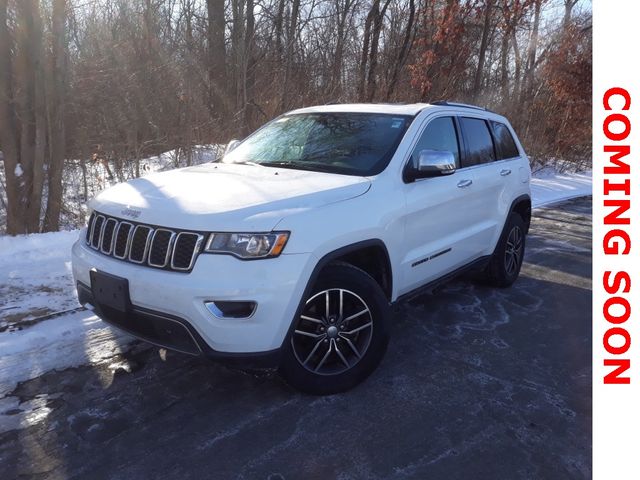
(290, 250)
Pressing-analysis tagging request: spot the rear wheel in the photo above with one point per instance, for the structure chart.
(504, 266)
(341, 334)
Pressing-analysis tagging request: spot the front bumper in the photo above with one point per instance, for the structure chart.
(173, 299)
(172, 332)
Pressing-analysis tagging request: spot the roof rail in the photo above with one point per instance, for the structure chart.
(447, 103)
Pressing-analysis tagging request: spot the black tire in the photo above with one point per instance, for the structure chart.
(506, 261)
(310, 341)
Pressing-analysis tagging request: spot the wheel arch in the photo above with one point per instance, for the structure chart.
(370, 256)
(522, 206)
(339, 255)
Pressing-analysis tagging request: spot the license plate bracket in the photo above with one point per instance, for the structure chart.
(110, 290)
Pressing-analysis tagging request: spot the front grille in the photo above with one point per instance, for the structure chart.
(143, 244)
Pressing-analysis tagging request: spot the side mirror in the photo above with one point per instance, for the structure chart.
(231, 145)
(434, 163)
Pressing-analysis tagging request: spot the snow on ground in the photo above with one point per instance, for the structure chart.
(35, 276)
(77, 339)
(547, 186)
(35, 280)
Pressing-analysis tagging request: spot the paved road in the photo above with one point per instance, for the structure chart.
(477, 384)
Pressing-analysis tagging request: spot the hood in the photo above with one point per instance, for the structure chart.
(225, 197)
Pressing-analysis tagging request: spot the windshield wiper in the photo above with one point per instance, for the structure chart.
(277, 163)
(307, 166)
(253, 164)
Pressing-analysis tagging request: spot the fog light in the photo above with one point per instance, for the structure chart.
(231, 309)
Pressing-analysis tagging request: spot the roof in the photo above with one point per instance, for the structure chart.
(399, 108)
(392, 108)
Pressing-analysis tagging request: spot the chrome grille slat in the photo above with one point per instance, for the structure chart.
(142, 244)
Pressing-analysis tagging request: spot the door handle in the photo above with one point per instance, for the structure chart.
(505, 172)
(464, 183)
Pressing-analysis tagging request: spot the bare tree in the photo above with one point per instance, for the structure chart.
(8, 131)
(106, 84)
(56, 113)
(405, 49)
(484, 42)
(217, 69)
(290, 43)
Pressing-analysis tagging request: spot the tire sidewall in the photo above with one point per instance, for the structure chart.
(498, 267)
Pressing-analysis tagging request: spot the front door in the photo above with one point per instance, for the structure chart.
(438, 216)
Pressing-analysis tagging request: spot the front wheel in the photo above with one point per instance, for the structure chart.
(506, 261)
(341, 334)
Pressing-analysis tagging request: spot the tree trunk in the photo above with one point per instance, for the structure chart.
(530, 66)
(477, 81)
(404, 50)
(237, 48)
(37, 179)
(249, 70)
(24, 91)
(85, 187)
(8, 130)
(216, 57)
(279, 22)
(291, 38)
(504, 66)
(56, 116)
(568, 8)
(366, 38)
(373, 54)
(517, 80)
(342, 14)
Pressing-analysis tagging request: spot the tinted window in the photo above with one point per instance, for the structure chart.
(479, 141)
(505, 143)
(347, 143)
(440, 134)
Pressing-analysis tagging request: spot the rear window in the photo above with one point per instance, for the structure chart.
(479, 142)
(505, 143)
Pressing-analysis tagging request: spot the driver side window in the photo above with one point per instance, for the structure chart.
(440, 134)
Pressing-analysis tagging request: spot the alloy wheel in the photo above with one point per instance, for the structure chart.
(333, 332)
(513, 250)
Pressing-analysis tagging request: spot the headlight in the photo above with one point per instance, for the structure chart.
(247, 245)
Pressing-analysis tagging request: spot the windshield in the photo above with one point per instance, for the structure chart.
(347, 143)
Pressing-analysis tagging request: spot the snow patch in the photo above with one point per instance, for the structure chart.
(548, 186)
(35, 275)
(18, 170)
(68, 341)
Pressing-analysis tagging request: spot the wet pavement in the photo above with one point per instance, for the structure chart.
(477, 383)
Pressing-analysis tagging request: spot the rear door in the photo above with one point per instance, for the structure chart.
(494, 156)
